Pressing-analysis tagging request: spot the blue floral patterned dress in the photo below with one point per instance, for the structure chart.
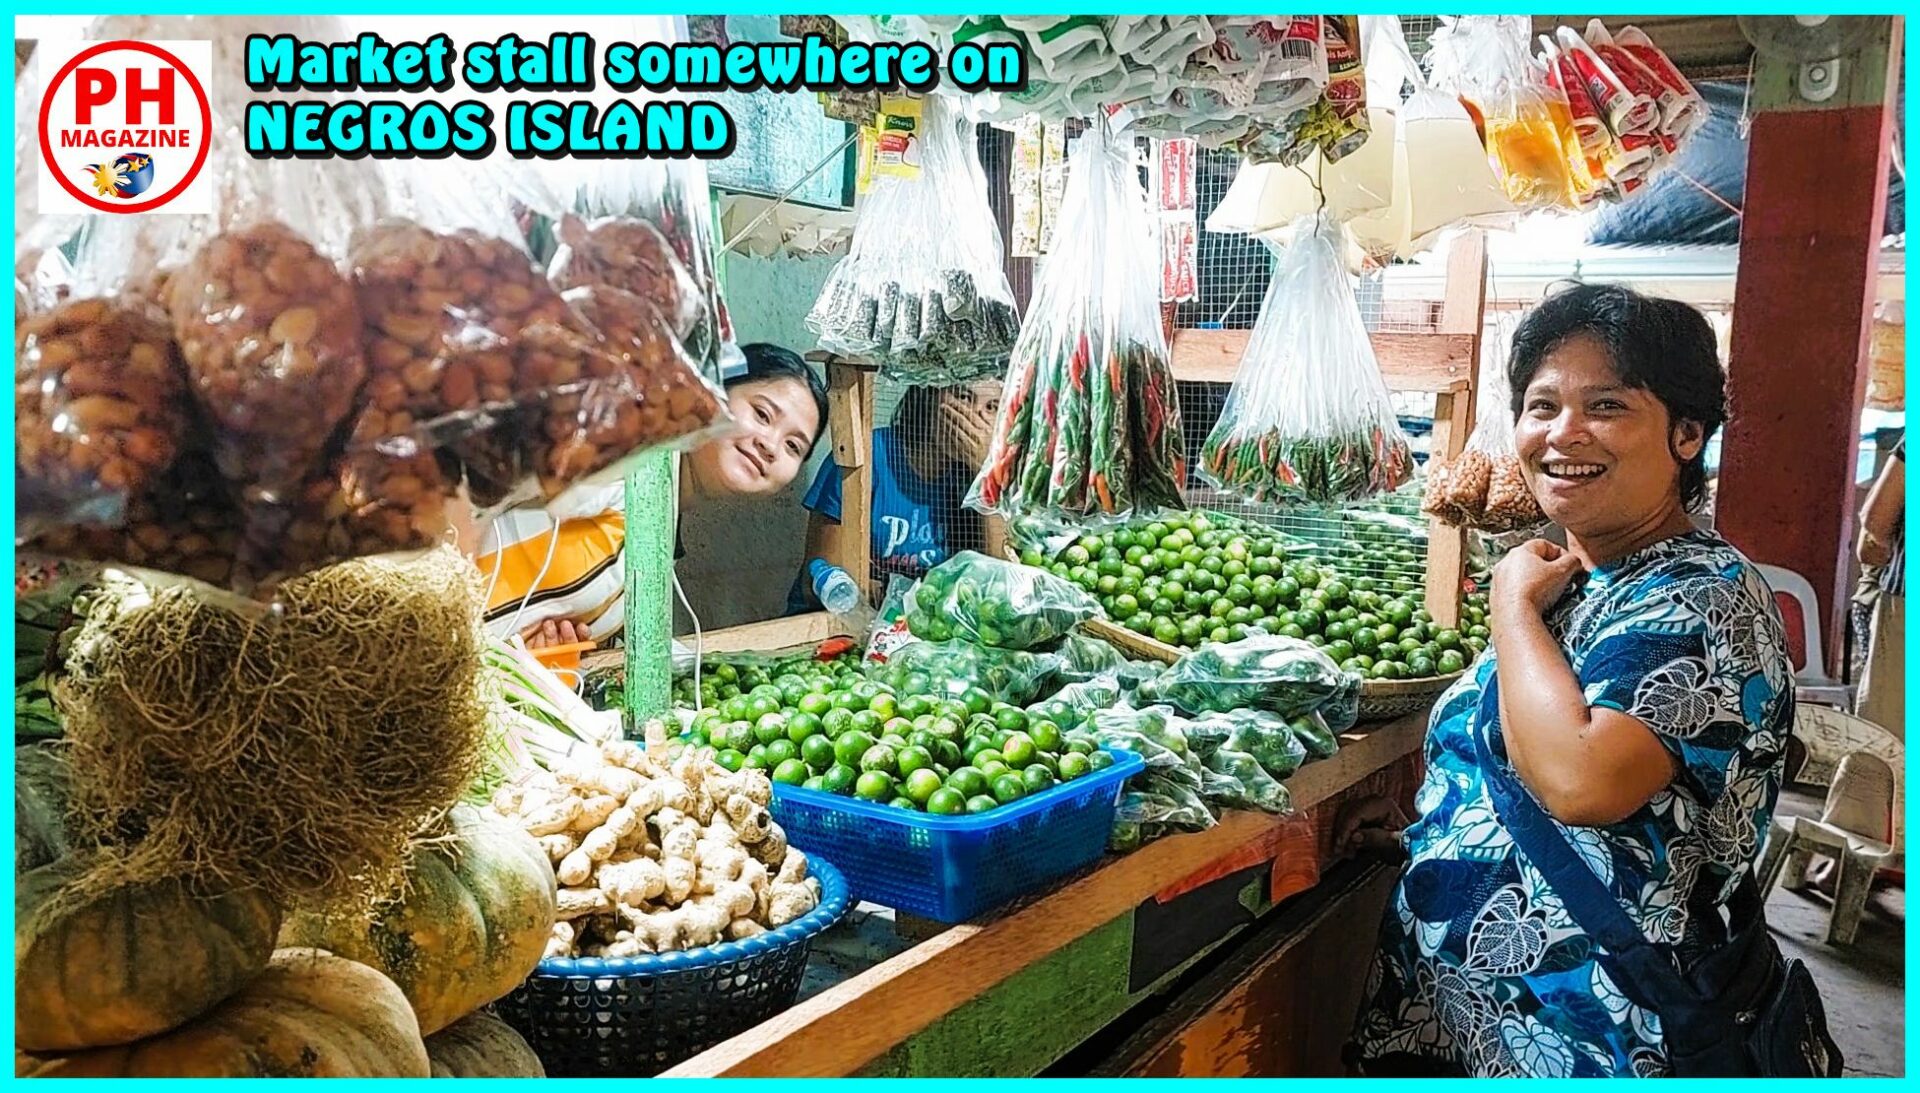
(1480, 969)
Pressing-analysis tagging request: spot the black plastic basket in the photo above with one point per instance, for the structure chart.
(636, 1016)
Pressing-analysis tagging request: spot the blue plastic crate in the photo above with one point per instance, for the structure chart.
(591, 1017)
(953, 868)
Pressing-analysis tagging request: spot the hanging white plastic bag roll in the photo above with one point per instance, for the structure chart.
(1088, 420)
(1309, 418)
(1483, 487)
(926, 253)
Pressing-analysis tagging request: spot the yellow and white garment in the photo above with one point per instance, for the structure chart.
(569, 558)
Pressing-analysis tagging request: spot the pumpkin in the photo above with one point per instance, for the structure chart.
(40, 794)
(309, 1014)
(481, 1045)
(131, 962)
(468, 923)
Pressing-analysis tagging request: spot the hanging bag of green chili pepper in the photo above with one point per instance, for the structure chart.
(1309, 418)
(1088, 421)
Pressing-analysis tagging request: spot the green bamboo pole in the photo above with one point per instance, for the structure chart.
(649, 597)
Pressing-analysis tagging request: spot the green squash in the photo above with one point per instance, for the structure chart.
(134, 962)
(469, 922)
(481, 1045)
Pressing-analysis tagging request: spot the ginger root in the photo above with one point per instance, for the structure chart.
(581, 902)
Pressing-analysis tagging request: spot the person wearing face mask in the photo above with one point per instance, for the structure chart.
(922, 465)
(1638, 693)
(557, 584)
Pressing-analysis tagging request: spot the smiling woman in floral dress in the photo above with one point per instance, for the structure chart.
(1645, 698)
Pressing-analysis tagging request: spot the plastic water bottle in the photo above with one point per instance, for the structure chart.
(832, 586)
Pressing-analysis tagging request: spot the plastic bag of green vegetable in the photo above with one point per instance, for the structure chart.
(1269, 738)
(1285, 675)
(1238, 780)
(972, 597)
(951, 667)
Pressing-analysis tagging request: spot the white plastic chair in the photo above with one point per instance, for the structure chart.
(1855, 828)
(1810, 680)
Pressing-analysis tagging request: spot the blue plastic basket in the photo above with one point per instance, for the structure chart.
(636, 1016)
(953, 868)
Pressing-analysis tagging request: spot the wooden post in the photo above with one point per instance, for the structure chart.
(1462, 312)
(1803, 316)
(850, 386)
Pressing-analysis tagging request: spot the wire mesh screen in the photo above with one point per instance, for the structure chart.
(1385, 538)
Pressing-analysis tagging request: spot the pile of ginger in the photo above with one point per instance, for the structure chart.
(656, 854)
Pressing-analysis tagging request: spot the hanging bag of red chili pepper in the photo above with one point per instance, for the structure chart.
(1088, 421)
(1309, 418)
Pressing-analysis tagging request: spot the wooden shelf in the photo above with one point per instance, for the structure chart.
(1436, 363)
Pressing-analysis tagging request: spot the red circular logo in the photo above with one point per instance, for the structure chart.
(118, 182)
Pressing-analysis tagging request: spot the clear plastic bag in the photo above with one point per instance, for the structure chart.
(639, 391)
(1484, 58)
(953, 667)
(1283, 675)
(100, 411)
(1309, 418)
(1088, 421)
(269, 332)
(1269, 738)
(1483, 487)
(984, 600)
(926, 252)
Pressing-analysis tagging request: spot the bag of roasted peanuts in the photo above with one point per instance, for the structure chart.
(100, 411)
(1483, 487)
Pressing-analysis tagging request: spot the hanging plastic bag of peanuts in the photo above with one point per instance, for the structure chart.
(629, 254)
(99, 411)
(183, 524)
(642, 391)
(462, 334)
(1483, 487)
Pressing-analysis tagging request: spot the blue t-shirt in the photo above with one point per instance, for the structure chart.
(910, 515)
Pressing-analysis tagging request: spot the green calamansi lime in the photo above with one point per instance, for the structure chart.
(921, 785)
(912, 759)
(1045, 734)
(1073, 765)
(817, 752)
(851, 746)
(730, 759)
(1038, 778)
(880, 757)
(840, 778)
(815, 783)
(994, 769)
(836, 721)
(946, 802)
(905, 804)
(1099, 760)
(1450, 662)
(968, 781)
(1019, 750)
(1009, 788)
(802, 725)
(874, 785)
(981, 803)
(757, 758)
(790, 772)
(781, 750)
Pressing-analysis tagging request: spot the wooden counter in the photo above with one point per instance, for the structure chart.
(1012, 994)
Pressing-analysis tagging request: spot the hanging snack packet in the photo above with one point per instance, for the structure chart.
(1088, 421)
(1309, 418)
